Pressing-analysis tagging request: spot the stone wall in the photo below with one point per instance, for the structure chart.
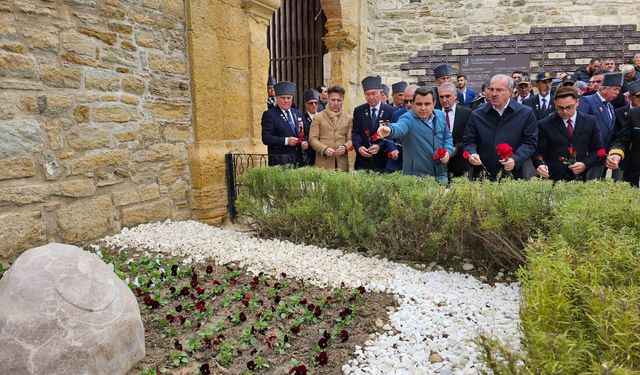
(398, 29)
(95, 118)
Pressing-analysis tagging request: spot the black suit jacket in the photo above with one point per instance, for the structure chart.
(362, 122)
(628, 140)
(309, 156)
(275, 128)
(534, 103)
(459, 165)
(459, 98)
(553, 142)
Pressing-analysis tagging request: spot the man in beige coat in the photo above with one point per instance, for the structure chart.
(330, 134)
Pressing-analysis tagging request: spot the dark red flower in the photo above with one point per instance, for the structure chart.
(602, 153)
(298, 370)
(374, 137)
(138, 291)
(344, 335)
(322, 358)
(172, 289)
(248, 295)
(317, 311)
(346, 312)
(245, 303)
(177, 345)
(350, 148)
(200, 306)
(178, 308)
(182, 319)
(233, 281)
(295, 330)
(243, 317)
(194, 283)
(326, 335)
(465, 155)
(199, 290)
(390, 154)
(360, 289)
(251, 365)
(209, 269)
(185, 291)
(561, 158)
(302, 133)
(174, 270)
(146, 299)
(505, 151)
(283, 275)
(277, 299)
(204, 369)
(215, 282)
(154, 304)
(366, 132)
(277, 285)
(170, 318)
(299, 140)
(322, 343)
(539, 157)
(328, 299)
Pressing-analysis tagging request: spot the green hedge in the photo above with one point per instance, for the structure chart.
(579, 244)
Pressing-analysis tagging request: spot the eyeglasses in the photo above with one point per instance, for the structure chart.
(312, 102)
(567, 108)
(408, 101)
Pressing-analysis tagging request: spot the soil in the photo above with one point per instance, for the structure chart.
(367, 309)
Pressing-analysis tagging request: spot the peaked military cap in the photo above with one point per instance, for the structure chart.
(285, 88)
(543, 76)
(571, 78)
(634, 87)
(612, 79)
(371, 82)
(311, 94)
(399, 87)
(271, 81)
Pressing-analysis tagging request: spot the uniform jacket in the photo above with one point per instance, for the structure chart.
(592, 105)
(275, 128)
(420, 142)
(325, 132)
(534, 103)
(553, 142)
(627, 144)
(362, 122)
(486, 129)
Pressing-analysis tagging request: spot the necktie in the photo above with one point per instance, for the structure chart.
(373, 117)
(570, 128)
(544, 105)
(608, 115)
(446, 112)
(611, 113)
(290, 120)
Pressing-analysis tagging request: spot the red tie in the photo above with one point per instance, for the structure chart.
(446, 111)
(570, 128)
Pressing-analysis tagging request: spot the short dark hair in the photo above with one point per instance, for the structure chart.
(565, 92)
(462, 75)
(335, 88)
(319, 88)
(519, 72)
(598, 72)
(424, 91)
(594, 60)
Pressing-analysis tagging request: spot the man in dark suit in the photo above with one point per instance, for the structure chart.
(442, 74)
(456, 119)
(599, 106)
(281, 128)
(541, 103)
(311, 99)
(467, 93)
(367, 117)
(523, 90)
(500, 120)
(271, 94)
(626, 147)
(565, 131)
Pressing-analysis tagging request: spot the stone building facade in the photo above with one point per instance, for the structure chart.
(120, 112)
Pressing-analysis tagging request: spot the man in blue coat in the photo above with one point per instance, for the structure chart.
(500, 120)
(599, 106)
(467, 93)
(422, 132)
(565, 131)
(371, 154)
(281, 127)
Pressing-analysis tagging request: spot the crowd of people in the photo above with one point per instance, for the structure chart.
(562, 126)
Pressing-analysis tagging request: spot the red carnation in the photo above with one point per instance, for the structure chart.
(366, 132)
(504, 151)
(299, 140)
(602, 153)
(350, 148)
(561, 158)
(465, 155)
(390, 154)
(439, 154)
(322, 358)
(539, 157)
(374, 137)
(302, 133)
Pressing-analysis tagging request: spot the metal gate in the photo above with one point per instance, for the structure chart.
(295, 44)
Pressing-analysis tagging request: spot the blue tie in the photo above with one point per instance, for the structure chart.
(373, 116)
(293, 126)
(609, 111)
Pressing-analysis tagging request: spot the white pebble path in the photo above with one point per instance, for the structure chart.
(439, 312)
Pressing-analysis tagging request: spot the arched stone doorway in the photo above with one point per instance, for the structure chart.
(228, 66)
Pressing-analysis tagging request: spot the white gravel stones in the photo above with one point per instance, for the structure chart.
(440, 313)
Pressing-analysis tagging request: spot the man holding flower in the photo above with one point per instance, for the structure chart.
(427, 143)
(500, 120)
